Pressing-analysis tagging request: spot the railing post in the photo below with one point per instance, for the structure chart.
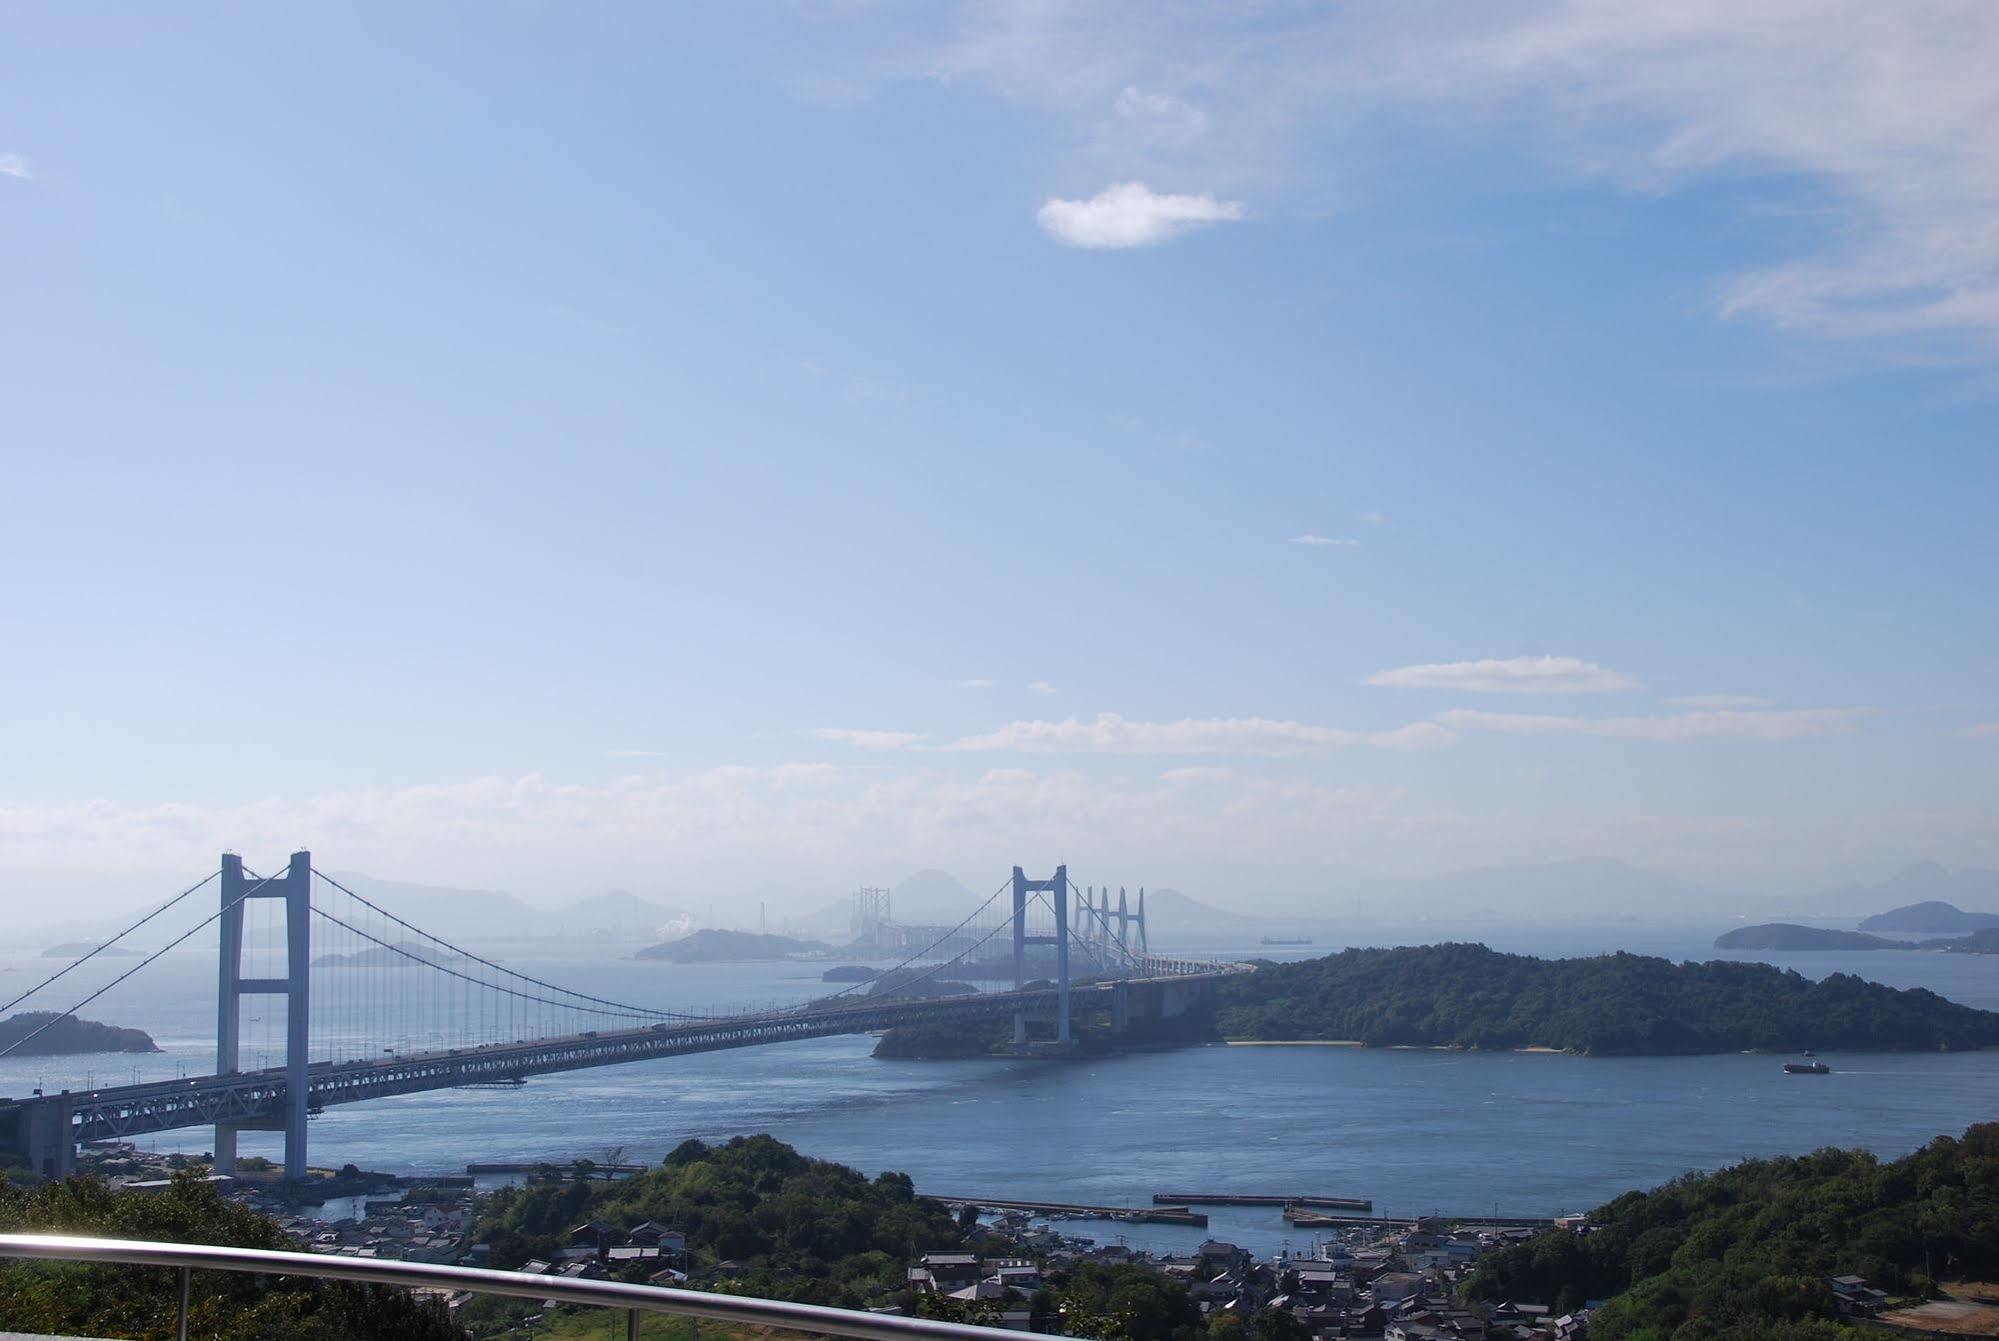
(185, 1273)
(631, 1324)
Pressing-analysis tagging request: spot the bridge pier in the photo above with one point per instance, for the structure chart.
(1058, 889)
(295, 888)
(46, 1139)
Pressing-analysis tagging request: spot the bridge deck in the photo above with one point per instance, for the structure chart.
(253, 1099)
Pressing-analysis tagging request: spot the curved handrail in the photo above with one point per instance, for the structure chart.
(480, 1280)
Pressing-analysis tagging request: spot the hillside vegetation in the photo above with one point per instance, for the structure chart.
(802, 1228)
(75, 1300)
(1468, 996)
(68, 1035)
(1743, 1254)
(1790, 936)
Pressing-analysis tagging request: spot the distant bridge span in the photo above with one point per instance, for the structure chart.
(46, 1129)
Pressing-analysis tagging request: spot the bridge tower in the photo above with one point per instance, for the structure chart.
(295, 888)
(1058, 889)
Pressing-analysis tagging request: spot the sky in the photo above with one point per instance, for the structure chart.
(753, 451)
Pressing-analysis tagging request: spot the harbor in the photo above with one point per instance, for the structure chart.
(1058, 1210)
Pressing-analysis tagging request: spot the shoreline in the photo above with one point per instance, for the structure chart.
(1357, 1043)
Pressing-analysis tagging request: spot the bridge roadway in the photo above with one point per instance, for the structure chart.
(51, 1126)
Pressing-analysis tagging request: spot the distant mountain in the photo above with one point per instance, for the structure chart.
(1789, 936)
(1931, 917)
(481, 914)
(1984, 942)
(931, 896)
(710, 946)
(1925, 882)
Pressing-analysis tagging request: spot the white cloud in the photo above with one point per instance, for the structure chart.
(1130, 214)
(1719, 701)
(867, 740)
(1041, 686)
(1876, 122)
(1309, 538)
(1514, 675)
(1374, 518)
(1982, 731)
(1112, 734)
(976, 682)
(634, 754)
(1723, 724)
(15, 165)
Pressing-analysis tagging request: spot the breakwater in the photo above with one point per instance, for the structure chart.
(1231, 1199)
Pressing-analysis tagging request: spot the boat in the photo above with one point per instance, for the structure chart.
(1811, 1068)
(1287, 940)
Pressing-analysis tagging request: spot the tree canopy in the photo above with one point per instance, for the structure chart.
(1620, 1004)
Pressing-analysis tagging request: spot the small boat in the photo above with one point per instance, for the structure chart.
(1811, 1068)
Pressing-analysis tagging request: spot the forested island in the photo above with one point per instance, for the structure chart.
(1746, 1252)
(713, 946)
(1790, 936)
(1467, 996)
(68, 1035)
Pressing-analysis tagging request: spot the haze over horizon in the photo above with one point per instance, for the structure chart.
(690, 451)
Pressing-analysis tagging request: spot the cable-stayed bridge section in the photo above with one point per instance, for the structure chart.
(372, 1006)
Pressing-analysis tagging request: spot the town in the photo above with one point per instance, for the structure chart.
(1362, 1276)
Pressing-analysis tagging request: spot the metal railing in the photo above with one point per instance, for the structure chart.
(634, 1300)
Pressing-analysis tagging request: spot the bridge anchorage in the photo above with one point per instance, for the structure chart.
(374, 1006)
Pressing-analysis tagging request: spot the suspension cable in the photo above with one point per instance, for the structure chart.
(205, 922)
(619, 1009)
(108, 944)
(498, 968)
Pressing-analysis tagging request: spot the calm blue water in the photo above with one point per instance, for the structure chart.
(1417, 1131)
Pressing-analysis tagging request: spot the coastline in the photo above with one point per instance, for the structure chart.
(1357, 1043)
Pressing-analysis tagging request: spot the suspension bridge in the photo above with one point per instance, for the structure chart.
(374, 1006)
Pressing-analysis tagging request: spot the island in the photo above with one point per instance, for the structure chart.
(67, 1036)
(78, 949)
(1984, 942)
(409, 954)
(1790, 936)
(1469, 996)
(712, 946)
(850, 973)
(1932, 917)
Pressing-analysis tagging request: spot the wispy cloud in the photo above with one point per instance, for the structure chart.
(1882, 113)
(1719, 701)
(867, 740)
(1040, 686)
(1131, 214)
(1375, 518)
(1312, 538)
(1982, 731)
(1724, 724)
(16, 165)
(634, 754)
(976, 682)
(1112, 734)
(1513, 675)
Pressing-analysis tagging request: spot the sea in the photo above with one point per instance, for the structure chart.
(1418, 1131)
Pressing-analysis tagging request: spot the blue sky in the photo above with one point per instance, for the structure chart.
(772, 448)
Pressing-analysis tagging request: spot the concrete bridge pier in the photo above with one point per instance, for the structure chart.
(45, 1137)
